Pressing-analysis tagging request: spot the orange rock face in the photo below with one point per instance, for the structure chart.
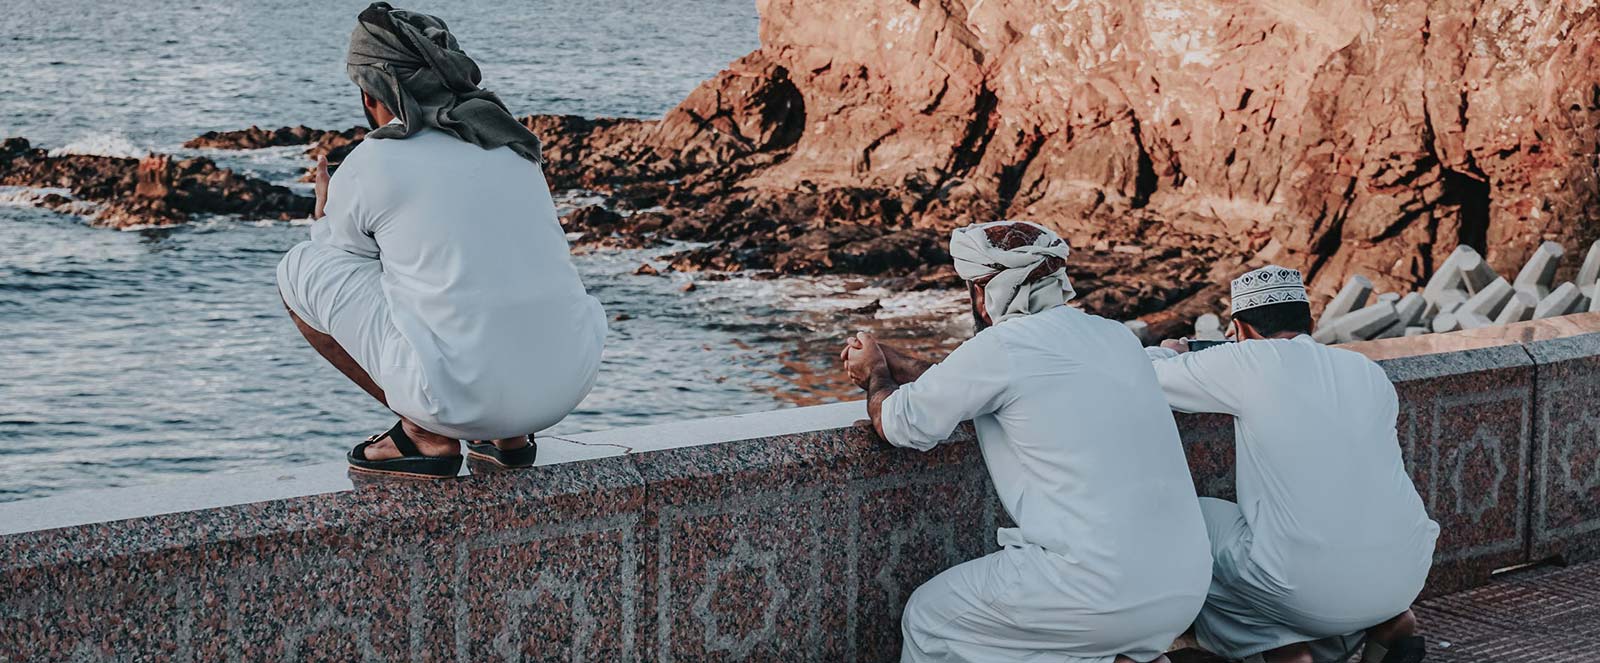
(1334, 136)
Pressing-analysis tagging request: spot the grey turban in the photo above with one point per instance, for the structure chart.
(411, 63)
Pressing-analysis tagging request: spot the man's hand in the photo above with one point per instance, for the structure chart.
(1177, 345)
(320, 178)
(903, 367)
(863, 358)
(865, 363)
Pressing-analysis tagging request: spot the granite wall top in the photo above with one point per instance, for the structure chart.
(287, 491)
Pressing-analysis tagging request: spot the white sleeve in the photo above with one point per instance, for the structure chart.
(1155, 352)
(1209, 380)
(974, 380)
(344, 224)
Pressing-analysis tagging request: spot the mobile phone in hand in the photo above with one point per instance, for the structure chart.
(1196, 344)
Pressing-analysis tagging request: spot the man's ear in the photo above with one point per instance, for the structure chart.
(980, 304)
(1243, 331)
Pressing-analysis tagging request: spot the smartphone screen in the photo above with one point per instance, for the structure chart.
(1201, 345)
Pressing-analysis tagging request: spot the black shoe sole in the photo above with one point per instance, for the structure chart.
(421, 467)
(508, 458)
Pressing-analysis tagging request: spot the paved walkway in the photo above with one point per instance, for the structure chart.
(1543, 615)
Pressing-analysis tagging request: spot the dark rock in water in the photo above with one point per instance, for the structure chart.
(688, 287)
(873, 307)
(592, 219)
(256, 138)
(647, 270)
(155, 190)
(334, 145)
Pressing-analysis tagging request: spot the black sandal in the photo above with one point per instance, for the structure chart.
(522, 456)
(411, 462)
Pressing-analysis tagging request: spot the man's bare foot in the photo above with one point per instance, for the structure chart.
(430, 444)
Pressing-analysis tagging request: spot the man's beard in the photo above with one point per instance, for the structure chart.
(978, 323)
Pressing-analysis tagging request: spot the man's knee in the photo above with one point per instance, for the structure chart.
(915, 611)
(915, 618)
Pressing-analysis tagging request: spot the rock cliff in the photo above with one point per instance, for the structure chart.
(1167, 139)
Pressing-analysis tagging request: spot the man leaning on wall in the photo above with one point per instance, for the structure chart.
(1108, 562)
(1329, 543)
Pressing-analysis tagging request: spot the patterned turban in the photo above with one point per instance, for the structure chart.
(1025, 264)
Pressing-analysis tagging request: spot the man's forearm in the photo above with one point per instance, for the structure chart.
(880, 385)
(904, 368)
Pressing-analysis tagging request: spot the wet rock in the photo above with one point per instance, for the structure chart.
(869, 309)
(647, 270)
(255, 138)
(156, 190)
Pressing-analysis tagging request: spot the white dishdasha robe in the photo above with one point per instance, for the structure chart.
(441, 268)
(1109, 555)
(1329, 536)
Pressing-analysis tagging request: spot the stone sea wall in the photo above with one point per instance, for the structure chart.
(788, 536)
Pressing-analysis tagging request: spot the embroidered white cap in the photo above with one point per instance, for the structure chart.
(1269, 285)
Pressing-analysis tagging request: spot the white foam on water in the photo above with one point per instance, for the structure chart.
(28, 196)
(113, 143)
(921, 303)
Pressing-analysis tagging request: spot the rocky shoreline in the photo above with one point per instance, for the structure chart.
(1173, 149)
(651, 201)
(156, 190)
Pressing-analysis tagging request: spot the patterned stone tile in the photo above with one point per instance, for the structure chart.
(367, 575)
(553, 593)
(748, 542)
(1465, 430)
(805, 547)
(796, 547)
(1566, 478)
(98, 611)
(1208, 443)
(347, 598)
(905, 532)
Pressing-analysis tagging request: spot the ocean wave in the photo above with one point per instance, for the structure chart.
(28, 196)
(106, 144)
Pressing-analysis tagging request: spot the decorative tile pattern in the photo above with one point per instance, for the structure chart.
(1566, 517)
(559, 593)
(64, 614)
(906, 532)
(1466, 426)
